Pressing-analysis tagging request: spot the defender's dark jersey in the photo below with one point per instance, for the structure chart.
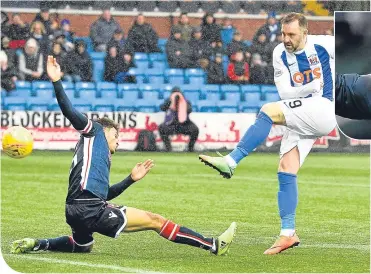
(353, 96)
(91, 164)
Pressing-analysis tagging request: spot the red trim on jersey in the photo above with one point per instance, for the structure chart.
(87, 128)
(87, 166)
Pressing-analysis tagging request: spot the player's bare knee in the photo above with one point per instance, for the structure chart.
(156, 220)
(288, 166)
(273, 110)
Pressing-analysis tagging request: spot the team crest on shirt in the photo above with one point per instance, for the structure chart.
(313, 59)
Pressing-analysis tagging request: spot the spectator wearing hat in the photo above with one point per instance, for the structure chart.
(30, 62)
(270, 29)
(179, 53)
(8, 74)
(200, 48)
(79, 64)
(177, 120)
(210, 29)
(44, 17)
(184, 27)
(102, 30)
(238, 69)
(118, 41)
(142, 37)
(214, 70)
(18, 30)
(66, 30)
(60, 38)
(236, 44)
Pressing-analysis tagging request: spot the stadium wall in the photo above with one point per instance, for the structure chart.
(218, 131)
(162, 22)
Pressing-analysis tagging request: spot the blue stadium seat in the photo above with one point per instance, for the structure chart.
(162, 41)
(188, 87)
(175, 80)
(109, 93)
(192, 96)
(139, 74)
(82, 105)
(194, 72)
(228, 109)
(197, 81)
(154, 71)
(130, 96)
(104, 104)
(98, 70)
(151, 95)
(45, 93)
(140, 56)
(84, 85)
(207, 106)
(272, 97)
(69, 92)
(246, 109)
(174, 76)
(166, 90)
(106, 85)
(229, 88)
(250, 88)
(20, 93)
(157, 57)
(97, 55)
(15, 103)
(68, 85)
(124, 105)
(156, 79)
(41, 85)
(38, 103)
(142, 64)
(213, 96)
(88, 42)
(210, 89)
(232, 97)
(87, 94)
(268, 88)
(144, 105)
(22, 85)
(54, 107)
(159, 65)
(174, 72)
(253, 99)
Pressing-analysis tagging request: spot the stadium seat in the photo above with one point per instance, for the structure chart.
(229, 88)
(15, 103)
(250, 88)
(54, 107)
(228, 109)
(41, 85)
(130, 96)
(69, 92)
(45, 93)
(105, 85)
(142, 64)
(213, 96)
(207, 106)
(19, 93)
(194, 72)
(252, 99)
(104, 104)
(162, 41)
(96, 55)
(197, 81)
(195, 76)
(233, 97)
(109, 93)
(84, 85)
(246, 109)
(151, 95)
(98, 70)
(144, 105)
(193, 96)
(156, 79)
(82, 105)
(272, 97)
(22, 85)
(174, 76)
(157, 57)
(159, 65)
(268, 88)
(139, 74)
(38, 103)
(124, 105)
(166, 90)
(87, 94)
(68, 85)
(140, 56)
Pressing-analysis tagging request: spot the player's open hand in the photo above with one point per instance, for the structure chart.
(141, 169)
(53, 69)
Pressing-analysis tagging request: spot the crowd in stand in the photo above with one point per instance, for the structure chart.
(204, 46)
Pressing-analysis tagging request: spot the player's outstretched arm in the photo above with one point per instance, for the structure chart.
(138, 172)
(77, 119)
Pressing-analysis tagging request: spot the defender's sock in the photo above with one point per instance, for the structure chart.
(253, 137)
(287, 202)
(64, 244)
(182, 235)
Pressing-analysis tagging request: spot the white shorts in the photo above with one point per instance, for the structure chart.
(306, 120)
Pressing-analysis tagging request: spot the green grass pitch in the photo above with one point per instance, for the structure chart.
(333, 217)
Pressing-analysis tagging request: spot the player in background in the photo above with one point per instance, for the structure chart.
(353, 96)
(87, 210)
(304, 76)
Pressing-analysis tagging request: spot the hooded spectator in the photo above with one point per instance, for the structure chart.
(39, 33)
(178, 51)
(125, 63)
(214, 70)
(210, 29)
(118, 41)
(31, 61)
(18, 30)
(236, 44)
(185, 28)
(238, 69)
(262, 47)
(270, 29)
(216, 47)
(111, 64)
(102, 30)
(44, 18)
(79, 65)
(177, 120)
(142, 37)
(8, 74)
(200, 48)
(61, 39)
(258, 70)
(66, 30)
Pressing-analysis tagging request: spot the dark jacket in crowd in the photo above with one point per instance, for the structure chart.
(258, 74)
(17, 32)
(235, 46)
(47, 23)
(43, 41)
(80, 64)
(215, 73)
(270, 31)
(184, 60)
(236, 70)
(6, 78)
(143, 38)
(102, 31)
(263, 49)
(200, 49)
(210, 32)
(111, 67)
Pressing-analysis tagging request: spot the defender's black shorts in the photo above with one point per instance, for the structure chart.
(86, 216)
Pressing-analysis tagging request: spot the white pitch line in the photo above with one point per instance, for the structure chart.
(340, 246)
(35, 257)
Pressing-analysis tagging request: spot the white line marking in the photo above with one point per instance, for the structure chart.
(341, 246)
(35, 257)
